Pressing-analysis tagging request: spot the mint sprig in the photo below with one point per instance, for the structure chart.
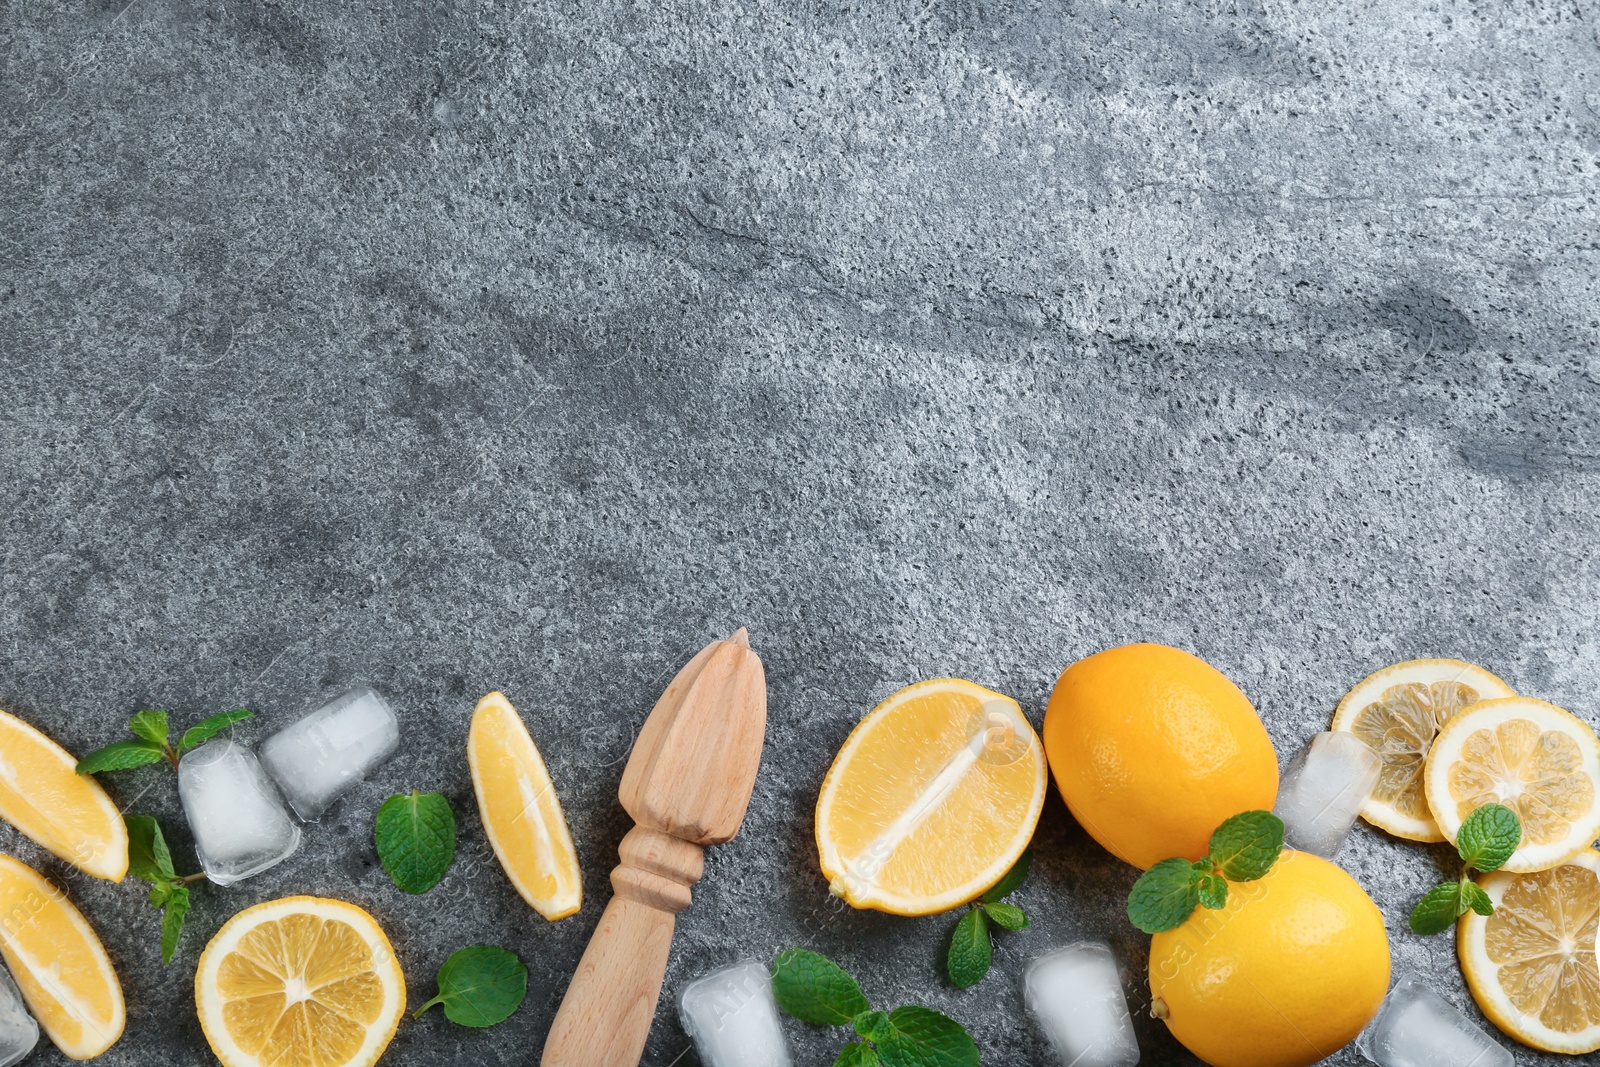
(479, 985)
(1485, 842)
(416, 838)
(1242, 849)
(149, 860)
(151, 731)
(971, 950)
(814, 989)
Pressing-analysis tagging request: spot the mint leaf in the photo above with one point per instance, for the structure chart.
(206, 729)
(1164, 896)
(1011, 880)
(1246, 846)
(1476, 899)
(970, 950)
(148, 857)
(150, 725)
(1438, 909)
(922, 1037)
(814, 989)
(1213, 892)
(120, 756)
(872, 1025)
(1006, 916)
(172, 921)
(1489, 836)
(161, 892)
(416, 838)
(480, 985)
(856, 1054)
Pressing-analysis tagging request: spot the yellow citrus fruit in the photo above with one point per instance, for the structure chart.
(1398, 711)
(59, 964)
(933, 797)
(1541, 761)
(1531, 965)
(521, 813)
(1152, 748)
(1286, 974)
(43, 795)
(299, 982)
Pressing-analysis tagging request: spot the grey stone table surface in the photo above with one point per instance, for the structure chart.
(455, 346)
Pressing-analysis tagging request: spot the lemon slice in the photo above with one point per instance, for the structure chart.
(1398, 712)
(1531, 965)
(933, 797)
(59, 965)
(521, 813)
(43, 795)
(299, 982)
(1539, 760)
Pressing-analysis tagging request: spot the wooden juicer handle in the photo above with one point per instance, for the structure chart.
(687, 785)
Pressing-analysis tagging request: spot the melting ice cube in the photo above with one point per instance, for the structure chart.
(1323, 792)
(733, 1019)
(1076, 995)
(317, 758)
(1417, 1028)
(18, 1032)
(240, 826)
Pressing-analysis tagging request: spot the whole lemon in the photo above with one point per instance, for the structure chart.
(1288, 973)
(1152, 748)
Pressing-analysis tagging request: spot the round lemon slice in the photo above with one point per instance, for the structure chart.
(1398, 712)
(299, 982)
(1531, 965)
(933, 797)
(1541, 761)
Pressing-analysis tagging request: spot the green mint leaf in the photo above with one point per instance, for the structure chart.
(150, 725)
(1213, 892)
(1012, 879)
(206, 729)
(416, 838)
(970, 951)
(120, 756)
(1246, 846)
(1438, 910)
(148, 857)
(814, 989)
(161, 892)
(1006, 916)
(480, 985)
(922, 1037)
(872, 1025)
(1489, 836)
(856, 1054)
(1164, 896)
(172, 921)
(1476, 899)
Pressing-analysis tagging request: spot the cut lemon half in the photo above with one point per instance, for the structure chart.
(1531, 965)
(1541, 761)
(521, 813)
(1398, 712)
(299, 982)
(43, 795)
(933, 797)
(59, 964)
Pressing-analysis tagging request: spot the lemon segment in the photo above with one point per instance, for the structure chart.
(932, 798)
(299, 982)
(59, 965)
(1398, 711)
(43, 795)
(521, 813)
(1531, 966)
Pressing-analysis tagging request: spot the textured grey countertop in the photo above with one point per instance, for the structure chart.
(478, 345)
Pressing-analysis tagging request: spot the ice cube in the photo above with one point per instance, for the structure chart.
(240, 826)
(1417, 1028)
(733, 1019)
(1076, 995)
(317, 758)
(1323, 792)
(18, 1032)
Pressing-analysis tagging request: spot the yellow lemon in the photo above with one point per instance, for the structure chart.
(43, 795)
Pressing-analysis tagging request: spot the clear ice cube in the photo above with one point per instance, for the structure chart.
(733, 1019)
(240, 826)
(18, 1032)
(1076, 995)
(1323, 791)
(1416, 1027)
(317, 758)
